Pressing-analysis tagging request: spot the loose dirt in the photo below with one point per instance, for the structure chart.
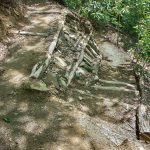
(93, 117)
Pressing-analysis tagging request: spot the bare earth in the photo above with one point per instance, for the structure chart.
(96, 117)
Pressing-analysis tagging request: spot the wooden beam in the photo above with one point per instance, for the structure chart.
(38, 69)
(143, 122)
(78, 62)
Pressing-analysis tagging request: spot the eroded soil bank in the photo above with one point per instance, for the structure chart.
(98, 116)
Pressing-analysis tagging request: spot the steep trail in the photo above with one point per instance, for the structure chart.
(93, 116)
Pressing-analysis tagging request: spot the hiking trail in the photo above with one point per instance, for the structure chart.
(96, 111)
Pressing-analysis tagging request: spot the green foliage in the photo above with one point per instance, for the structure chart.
(131, 16)
(143, 30)
(73, 4)
(144, 38)
(122, 13)
(97, 11)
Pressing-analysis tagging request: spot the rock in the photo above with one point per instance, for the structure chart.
(39, 86)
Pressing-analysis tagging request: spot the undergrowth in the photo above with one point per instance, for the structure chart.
(130, 16)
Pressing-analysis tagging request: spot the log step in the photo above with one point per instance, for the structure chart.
(143, 122)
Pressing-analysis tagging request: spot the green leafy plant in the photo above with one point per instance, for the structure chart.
(73, 4)
(131, 16)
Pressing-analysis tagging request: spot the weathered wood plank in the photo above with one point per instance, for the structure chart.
(78, 62)
(93, 44)
(38, 69)
(75, 66)
(143, 122)
(88, 52)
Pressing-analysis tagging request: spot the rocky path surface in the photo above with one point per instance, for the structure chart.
(100, 115)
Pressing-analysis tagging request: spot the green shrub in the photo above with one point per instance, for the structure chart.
(131, 16)
(73, 4)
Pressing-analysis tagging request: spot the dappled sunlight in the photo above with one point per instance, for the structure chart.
(95, 111)
(21, 141)
(71, 99)
(36, 47)
(15, 77)
(34, 127)
(2, 104)
(43, 8)
(109, 109)
(96, 126)
(6, 137)
(84, 108)
(8, 106)
(25, 119)
(10, 59)
(23, 107)
(117, 56)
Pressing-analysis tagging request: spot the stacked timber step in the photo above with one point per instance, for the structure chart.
(72, 53)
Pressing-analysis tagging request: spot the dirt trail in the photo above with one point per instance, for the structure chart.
(93, 117)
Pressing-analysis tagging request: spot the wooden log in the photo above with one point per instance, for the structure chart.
(93, 44)
(67, 37)
(112, 88)
(55, 40)
(78, 41)
(75, 66)
(116, 83)
(46, 12)
(28, 33)
(71, 38)
(86, 66)
(60, 62)
(37, 69)
(143, 122)
(39, 86)
(79, 60)
(88, 52)
(92, 51)
(87, 61)
(88, 58)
